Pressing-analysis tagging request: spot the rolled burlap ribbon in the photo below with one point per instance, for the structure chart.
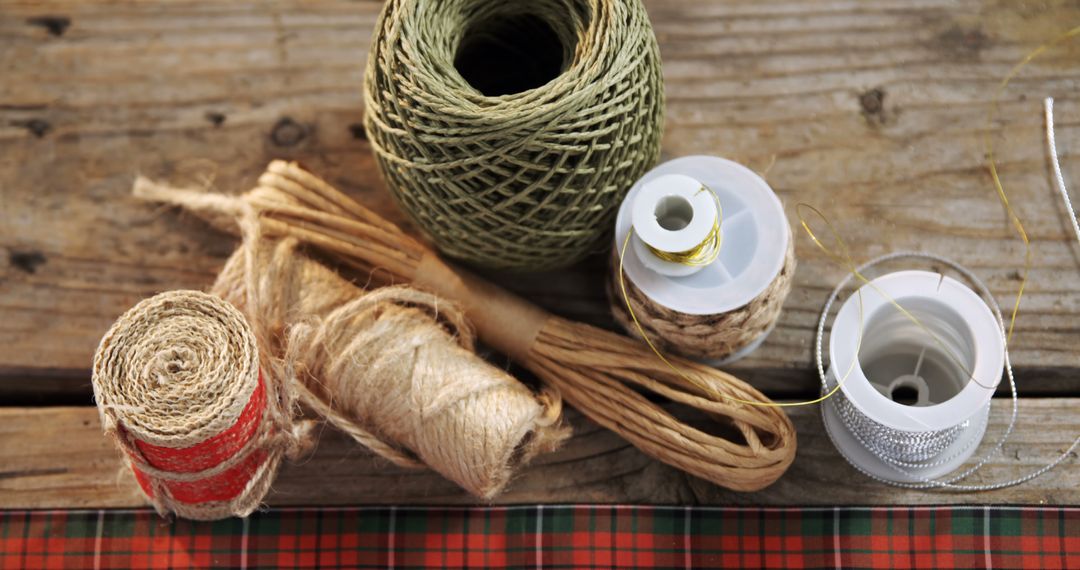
(395, 369)
(178, 388)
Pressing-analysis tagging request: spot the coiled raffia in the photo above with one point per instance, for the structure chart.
(527, 180)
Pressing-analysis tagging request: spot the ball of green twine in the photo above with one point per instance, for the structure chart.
(510, 130)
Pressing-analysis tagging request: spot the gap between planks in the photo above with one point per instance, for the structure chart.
(58, 458)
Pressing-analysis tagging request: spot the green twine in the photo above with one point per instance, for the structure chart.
(510, 130)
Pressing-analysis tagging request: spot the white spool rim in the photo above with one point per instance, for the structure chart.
(679, 186)
(989, 353)
(758, 215)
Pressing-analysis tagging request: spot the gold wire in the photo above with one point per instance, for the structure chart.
(994, 170)
(845, 258)
(703, 253)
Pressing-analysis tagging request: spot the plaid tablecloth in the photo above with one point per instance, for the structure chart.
(552, 537)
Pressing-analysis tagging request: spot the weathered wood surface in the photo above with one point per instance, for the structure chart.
(874, 112)
(56, 457)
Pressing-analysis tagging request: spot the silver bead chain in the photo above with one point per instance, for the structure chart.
(904, 451)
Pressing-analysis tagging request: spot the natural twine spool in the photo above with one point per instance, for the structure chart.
(394, 368)
(597, 371)
(527, 179)
(178, 388)
(704, 337)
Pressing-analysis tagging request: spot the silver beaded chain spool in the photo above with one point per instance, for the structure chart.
(920, 459)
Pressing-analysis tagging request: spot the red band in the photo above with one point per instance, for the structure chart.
(208, 453)
(221, 487)
(212, 451)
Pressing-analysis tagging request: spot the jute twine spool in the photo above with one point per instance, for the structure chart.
(510, 129)
(705, 254)
(704, 337)
(597, 371)
(178, 388)
(394, 368)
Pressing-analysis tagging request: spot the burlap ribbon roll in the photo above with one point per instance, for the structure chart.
(178, 388)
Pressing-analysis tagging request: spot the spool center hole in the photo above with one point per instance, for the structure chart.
(906, 395)
(510, 53)
(909, 390)
(673, 213)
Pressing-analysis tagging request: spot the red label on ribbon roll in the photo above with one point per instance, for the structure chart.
(214, 450)
(207, 454)
(224, 486)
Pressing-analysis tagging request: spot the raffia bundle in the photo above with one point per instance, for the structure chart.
(178, 388)
(522, 163)
(595, 370)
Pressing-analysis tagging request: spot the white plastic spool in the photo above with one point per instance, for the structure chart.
(896, 353)
(667, 211)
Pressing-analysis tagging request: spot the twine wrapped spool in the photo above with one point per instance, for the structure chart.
(723, 310)
(510, 129)
(178, 388)
(394, 368)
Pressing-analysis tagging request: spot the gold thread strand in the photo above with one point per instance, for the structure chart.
(992, 162)
(847, 261)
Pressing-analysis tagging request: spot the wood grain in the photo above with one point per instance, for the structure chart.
(874, 112)
(58, 458)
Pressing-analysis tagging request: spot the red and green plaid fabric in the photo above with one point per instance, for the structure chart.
(551, 537)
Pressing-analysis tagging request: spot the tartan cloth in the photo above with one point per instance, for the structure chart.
(551, 537)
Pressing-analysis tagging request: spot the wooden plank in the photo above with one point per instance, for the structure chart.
(58, 458)
(873, 111)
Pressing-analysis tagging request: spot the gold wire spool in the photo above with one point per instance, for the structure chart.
(704, 252)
